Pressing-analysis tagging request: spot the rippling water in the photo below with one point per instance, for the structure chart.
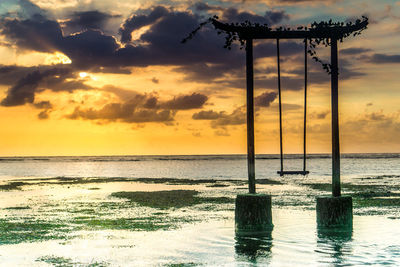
(195, 167)
(208, 240)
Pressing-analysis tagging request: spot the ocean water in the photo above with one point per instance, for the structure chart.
(195, 167)
(204, 235)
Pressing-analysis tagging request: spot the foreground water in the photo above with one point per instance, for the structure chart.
(63, 211)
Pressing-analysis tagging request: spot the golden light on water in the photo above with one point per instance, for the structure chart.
(83, 74)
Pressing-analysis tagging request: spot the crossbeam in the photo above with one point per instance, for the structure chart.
(260, 32)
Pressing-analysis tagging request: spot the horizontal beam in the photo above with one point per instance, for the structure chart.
(260, 32)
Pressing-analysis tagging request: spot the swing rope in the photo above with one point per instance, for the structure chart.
(305, 105)
(282, 172)
(280, 103)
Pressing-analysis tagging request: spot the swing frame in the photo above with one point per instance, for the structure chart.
(334, 33)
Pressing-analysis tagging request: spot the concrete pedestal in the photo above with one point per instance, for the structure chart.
(334, 212)
(253, 214)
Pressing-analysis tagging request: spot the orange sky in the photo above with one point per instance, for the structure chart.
(104, 77)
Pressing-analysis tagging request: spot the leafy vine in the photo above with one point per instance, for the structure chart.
(247, 28)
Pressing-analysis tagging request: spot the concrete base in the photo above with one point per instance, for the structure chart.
(334, 212)
(253, 214)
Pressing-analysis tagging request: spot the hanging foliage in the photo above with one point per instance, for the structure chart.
(239, 32)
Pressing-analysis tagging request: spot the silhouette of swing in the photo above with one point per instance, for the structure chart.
(304, 171)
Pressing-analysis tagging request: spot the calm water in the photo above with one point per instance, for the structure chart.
(195, 167)
(209, 240)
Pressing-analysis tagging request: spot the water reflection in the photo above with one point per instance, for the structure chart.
(334, 246)
(253, 247)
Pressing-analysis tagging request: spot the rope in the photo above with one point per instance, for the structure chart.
(305, 104)
(280, 105)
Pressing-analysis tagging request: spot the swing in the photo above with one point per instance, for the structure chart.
(303, 172)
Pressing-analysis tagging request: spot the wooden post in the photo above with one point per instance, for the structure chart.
(335, 119)
(250, 116)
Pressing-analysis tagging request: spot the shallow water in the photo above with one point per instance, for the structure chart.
(293, 242)
(81, 224)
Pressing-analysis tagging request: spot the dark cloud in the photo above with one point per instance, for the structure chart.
(286, 48)
(270, 17)
(354, 51)
(383, 58)
(201, 6)
(192, 101)
(319, 115)
(220, 120)
(43, 105)
(237, 117)
(207, 115)
(122, 112)
(139, 108)
(265, 99)
(155, 80)
(88, 20)
(27, 81)
(375, 116)
(136, 22)
(36, 33)
(43, 115)
(24, 90)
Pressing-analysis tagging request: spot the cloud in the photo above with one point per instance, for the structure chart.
(139, 108)
(237, 117)
(207, 115)
(192, 101)
(88, 20)
(265, 99)
(43, 105)
(123, 112)
(270, 17)
(220, 120)
(354, 51)
(201, 6)
(24, 90)
(36, 33)
(158, 45)
(28, 81)
(43, 115)
(138, 21)
(384, 58)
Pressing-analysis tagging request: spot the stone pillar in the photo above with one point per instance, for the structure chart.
(334, 212)
(253, 214)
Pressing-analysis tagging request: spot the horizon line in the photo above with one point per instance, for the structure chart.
(155, 155)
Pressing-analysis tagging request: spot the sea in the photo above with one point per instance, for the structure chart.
(204, 235)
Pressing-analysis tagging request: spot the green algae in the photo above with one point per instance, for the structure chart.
(376, 202)
(188, 264)
(366, 198)
(12, 186)
(66, 262)
(56, 261)
(95, 180)
(18, 208)
(169, 199)
(134, 224)
(14, 232)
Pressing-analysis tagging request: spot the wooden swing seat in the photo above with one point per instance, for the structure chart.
(281, 173)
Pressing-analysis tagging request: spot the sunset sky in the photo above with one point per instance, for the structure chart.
(101, 77)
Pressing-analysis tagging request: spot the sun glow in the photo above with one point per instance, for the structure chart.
(83, 74)
(57, 58)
